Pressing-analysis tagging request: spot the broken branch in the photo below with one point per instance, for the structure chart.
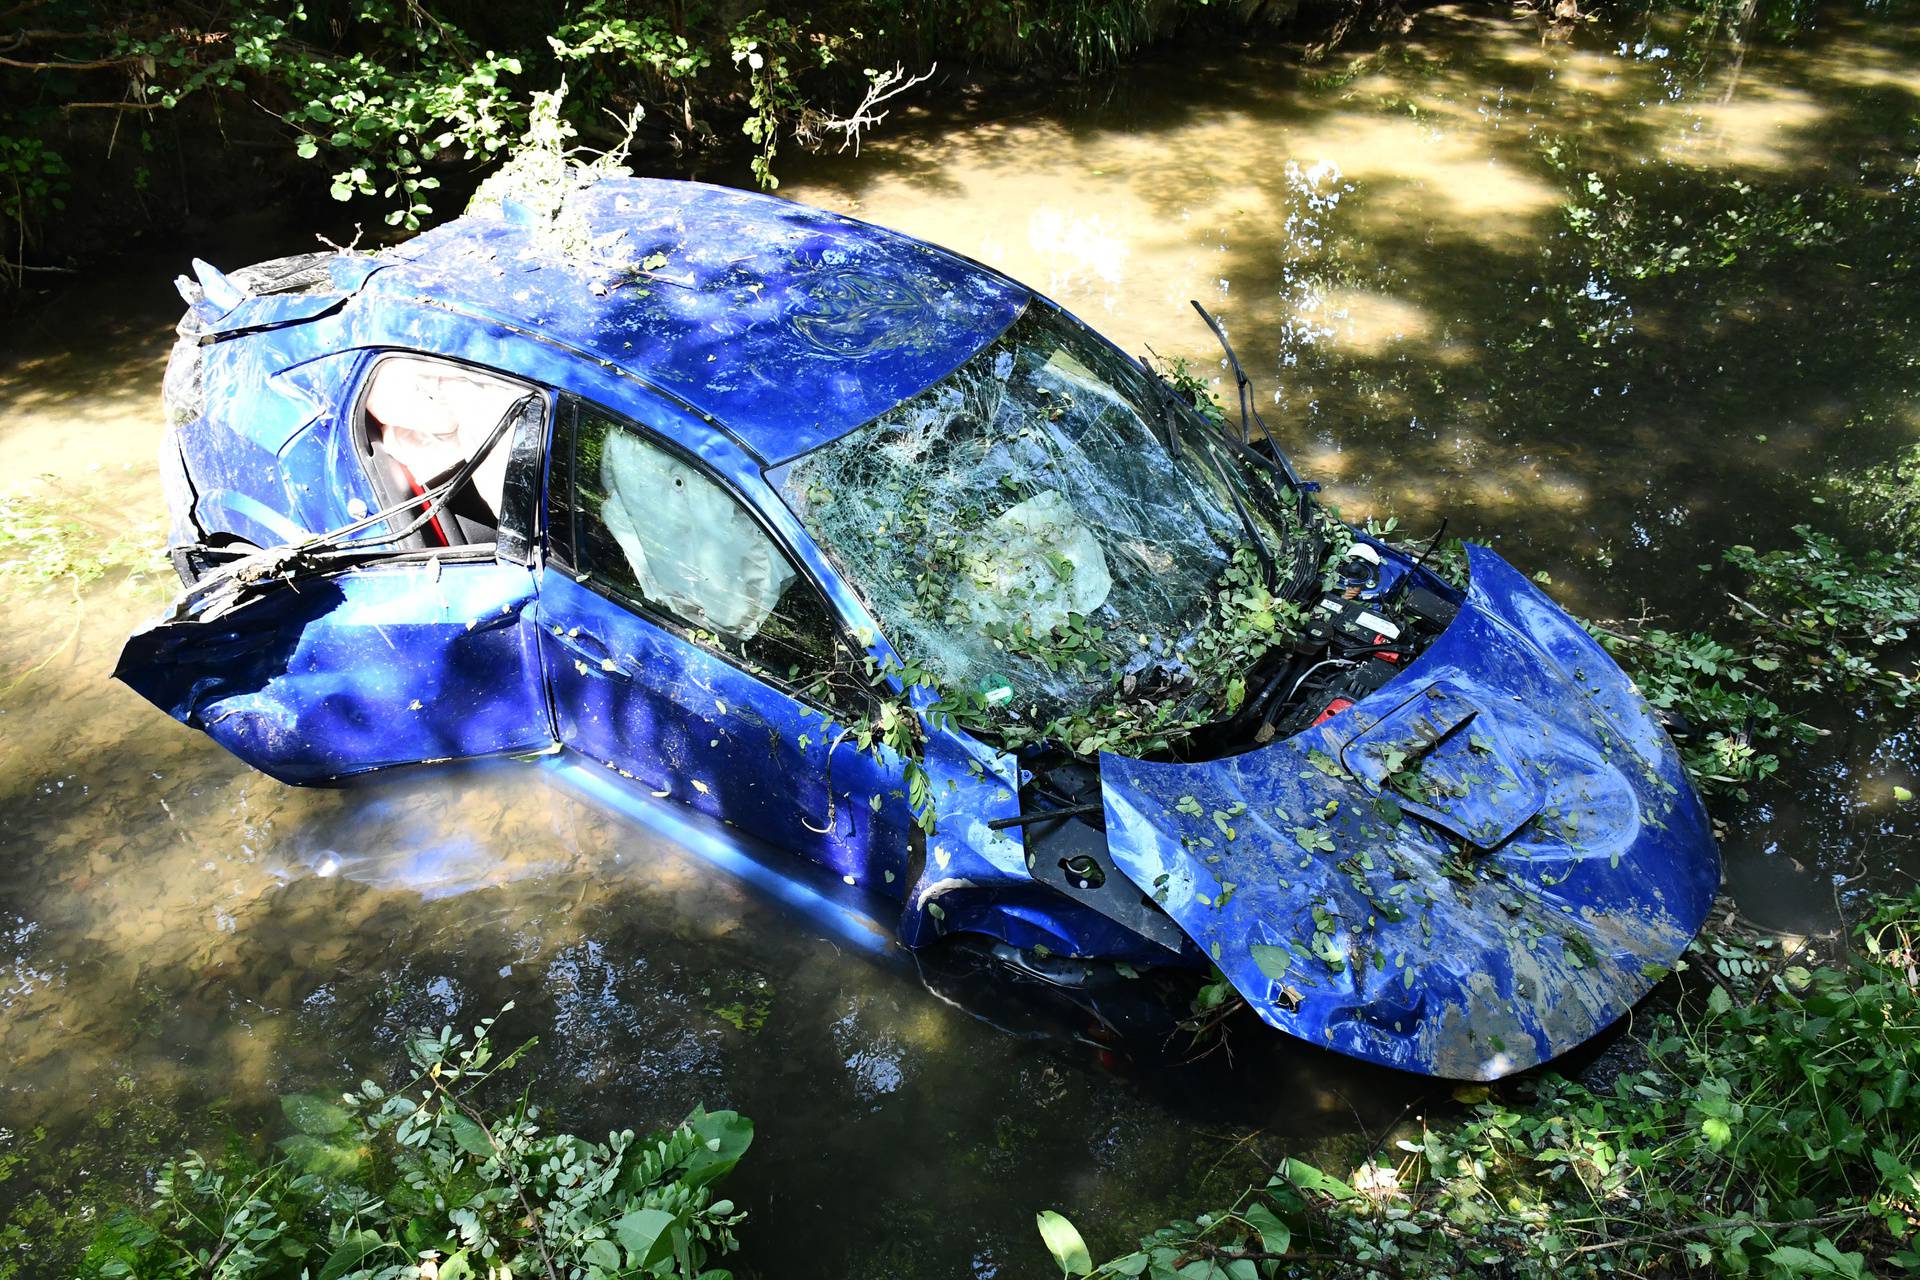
(93, 64)
(882, 86)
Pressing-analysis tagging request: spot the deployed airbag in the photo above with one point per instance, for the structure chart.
(1038, 565)
(692, 548)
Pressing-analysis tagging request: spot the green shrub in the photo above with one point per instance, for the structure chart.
(371, 1184)
(1808, 621)
(1774, 1131)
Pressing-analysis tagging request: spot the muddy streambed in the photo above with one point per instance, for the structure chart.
(1610, 298)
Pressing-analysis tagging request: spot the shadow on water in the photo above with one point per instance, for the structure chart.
(1452, 260)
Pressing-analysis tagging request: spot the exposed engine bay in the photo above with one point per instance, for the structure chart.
(1358, 637)
(1379, 613)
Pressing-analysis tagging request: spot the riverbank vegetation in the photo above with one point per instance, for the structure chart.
(444, 1174)
(1772, 1129)
(1809, 624)
(108, 107)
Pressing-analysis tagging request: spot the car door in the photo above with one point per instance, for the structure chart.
(685, 648)
(330, 665)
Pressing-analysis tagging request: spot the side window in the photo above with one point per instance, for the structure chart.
(655, 528)
(421, 419)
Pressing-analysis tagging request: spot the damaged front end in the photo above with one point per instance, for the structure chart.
(1465, 873)
(1433, 829)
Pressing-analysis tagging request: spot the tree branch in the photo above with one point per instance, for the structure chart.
(95, 64)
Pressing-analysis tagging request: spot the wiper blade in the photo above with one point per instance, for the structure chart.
(1169, 415)
(1269, 572)
(1250, 414)
(1169, 419)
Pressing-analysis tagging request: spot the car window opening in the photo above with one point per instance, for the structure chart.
(657, 529)
(687, 544)
(423, 419)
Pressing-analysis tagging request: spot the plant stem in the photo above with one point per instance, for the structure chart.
(1725, 1224)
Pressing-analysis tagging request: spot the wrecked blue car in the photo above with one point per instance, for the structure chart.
(879, 557)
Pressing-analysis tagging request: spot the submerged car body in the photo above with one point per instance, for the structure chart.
(1465, 848)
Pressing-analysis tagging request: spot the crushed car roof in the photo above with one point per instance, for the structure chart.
(789, 325)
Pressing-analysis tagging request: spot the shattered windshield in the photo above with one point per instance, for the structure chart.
(1024, 533)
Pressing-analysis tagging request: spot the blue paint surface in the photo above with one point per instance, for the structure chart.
(1565, 864)
(789, 325)
(394, 664)
(1546, 861)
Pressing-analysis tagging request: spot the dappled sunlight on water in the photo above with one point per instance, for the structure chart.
(1450, 262)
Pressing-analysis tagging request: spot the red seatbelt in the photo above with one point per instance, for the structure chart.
(418, 492)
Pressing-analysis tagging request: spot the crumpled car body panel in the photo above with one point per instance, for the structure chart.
(1568, 866)
(1499, 843)
(385, 665)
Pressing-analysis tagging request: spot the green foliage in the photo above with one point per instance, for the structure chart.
(1822, 600)
(1182, 376)
(1064, 1243)
(1773, 1131)
(51, 1184)
(40, 541)
(372, 1183)
(1627, 234)
(775, 53)
(1719, 693)
(389, 94)
(1808, 621)
(544, 172)
(1245, 621)
(610, 42)
(1886, 497)
(890, 727)
(33, 184)
(378, 97)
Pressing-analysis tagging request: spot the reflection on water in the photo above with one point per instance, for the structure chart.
(1612, 301)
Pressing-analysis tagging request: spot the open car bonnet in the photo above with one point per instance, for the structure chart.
(1469, 872)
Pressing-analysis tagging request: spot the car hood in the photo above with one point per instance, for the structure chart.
(1469, 872)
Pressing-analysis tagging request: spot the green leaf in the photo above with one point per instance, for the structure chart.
(352, 1251)
(1796, 1261)
(646, 1235)
(603, 1254)
(457, 1267)
(470, 1137)
(312, 1114)
(1273, 961)
(1299, 1173)
(1275, 1235)
(724, 1138)
(1901, 794)
(316, 1155)
(1718, 1132)
(1064, 1243)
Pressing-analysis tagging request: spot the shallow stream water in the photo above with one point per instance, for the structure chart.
(1611, 297)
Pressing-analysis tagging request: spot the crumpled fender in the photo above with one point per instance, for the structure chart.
(1550, 867)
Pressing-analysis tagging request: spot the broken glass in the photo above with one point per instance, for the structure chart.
(1021, 529)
